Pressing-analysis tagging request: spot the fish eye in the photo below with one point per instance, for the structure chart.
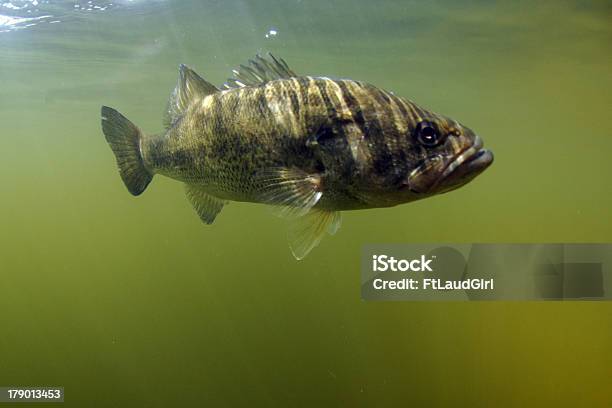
(427, 134)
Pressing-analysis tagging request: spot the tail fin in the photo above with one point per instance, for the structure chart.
(124, 139)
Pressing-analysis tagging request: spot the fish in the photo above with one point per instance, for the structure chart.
(309, 147)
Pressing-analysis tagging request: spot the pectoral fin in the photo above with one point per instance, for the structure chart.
(292, 192)
(206, 205)
(306, 232)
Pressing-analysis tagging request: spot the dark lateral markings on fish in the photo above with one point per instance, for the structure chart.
(311, 147)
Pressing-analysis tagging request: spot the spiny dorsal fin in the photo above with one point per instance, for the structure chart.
(190, 87)
(259, 71)
(206, 205)
(306, 232)
(292, 191)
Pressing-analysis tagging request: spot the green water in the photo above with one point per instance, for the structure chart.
(133, 302)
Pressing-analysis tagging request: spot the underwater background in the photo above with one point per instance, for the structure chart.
(130, 301)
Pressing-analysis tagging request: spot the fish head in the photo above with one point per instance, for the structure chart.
(435, 155)
(449, 156)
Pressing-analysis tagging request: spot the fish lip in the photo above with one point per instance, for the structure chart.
(462, 167)
(473, 154)
(463, 156)
(483, 157)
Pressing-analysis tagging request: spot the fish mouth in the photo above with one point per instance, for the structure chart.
(466, 165)
(441, 173)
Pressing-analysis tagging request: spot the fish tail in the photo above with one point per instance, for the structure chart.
(124, 139)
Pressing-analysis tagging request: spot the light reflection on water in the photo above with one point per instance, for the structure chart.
(17, 15)
(8, 23)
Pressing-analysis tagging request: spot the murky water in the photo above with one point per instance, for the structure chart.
(133, 302)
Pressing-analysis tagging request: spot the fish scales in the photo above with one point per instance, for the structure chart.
(225, 138)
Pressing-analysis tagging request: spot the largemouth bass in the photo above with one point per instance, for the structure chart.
(309, 146)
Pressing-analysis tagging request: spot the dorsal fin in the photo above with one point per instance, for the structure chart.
(189, 88)
(259, 71)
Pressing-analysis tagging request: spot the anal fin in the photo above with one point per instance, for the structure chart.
(306, 232)
(207, 206)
